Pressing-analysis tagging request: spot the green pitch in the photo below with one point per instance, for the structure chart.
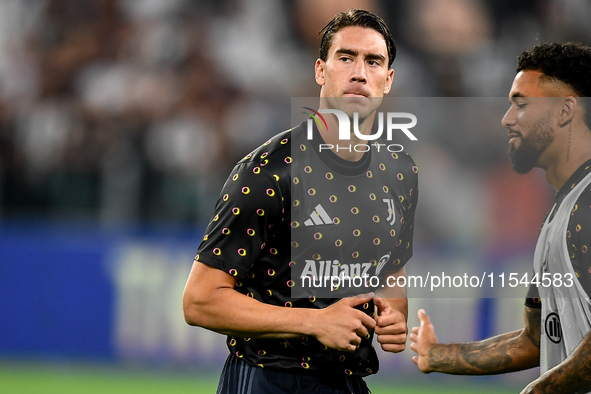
(35, 378)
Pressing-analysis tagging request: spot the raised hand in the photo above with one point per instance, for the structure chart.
(391, 327)
(423, 338)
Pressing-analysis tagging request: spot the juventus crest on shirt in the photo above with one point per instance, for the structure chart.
(349, 219)
(288, 212)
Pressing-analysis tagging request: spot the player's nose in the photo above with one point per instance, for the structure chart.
(359, 72)
(509, 118)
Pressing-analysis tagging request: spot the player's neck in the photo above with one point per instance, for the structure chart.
(569, 157)
(352, 149)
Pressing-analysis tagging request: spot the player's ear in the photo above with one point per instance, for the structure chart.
(319, 71)
(568, 108)
(389, 80)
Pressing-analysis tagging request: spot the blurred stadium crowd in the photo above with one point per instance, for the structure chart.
(135, 110)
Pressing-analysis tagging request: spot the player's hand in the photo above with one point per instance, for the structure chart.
(391, 327)
(423, 338)
(342, 327)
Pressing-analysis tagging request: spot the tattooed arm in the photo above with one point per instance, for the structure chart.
(513, 351)
(571, 375)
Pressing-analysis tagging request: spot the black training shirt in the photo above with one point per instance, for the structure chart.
(286, 206)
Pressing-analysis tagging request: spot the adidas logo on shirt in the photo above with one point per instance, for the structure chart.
(318, 217)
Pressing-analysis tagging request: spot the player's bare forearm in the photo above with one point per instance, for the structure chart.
(513, 351)
(210, 301)
(214, 304)
(249, 318)
(571, 375)
(504, 353)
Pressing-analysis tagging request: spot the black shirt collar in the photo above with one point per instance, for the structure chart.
(338, 164)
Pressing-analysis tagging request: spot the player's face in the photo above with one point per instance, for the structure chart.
(529, 121)
(356, 74)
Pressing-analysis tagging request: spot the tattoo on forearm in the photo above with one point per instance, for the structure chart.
(585, 366)
(486, 357)
(508, 352)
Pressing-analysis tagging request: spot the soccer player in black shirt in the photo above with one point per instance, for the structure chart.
(547, 129)
(290, 211)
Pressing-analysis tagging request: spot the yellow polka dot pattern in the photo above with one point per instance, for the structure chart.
(250, 236)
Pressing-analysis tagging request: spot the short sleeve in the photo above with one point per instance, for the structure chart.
(246, 215)
(578, 240)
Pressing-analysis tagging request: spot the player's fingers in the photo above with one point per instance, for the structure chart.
(391, 329)
(367, 321)
(362, 331)
(423, 318)
(415, 330)
(413, 337)
(354, 301)
(394, 319)
(393, 348)
(356, 341)
(349, 348)
(350, 343)
(415, 359)
(413, 347)
(384, 320)
(393, 339)
(383, 305)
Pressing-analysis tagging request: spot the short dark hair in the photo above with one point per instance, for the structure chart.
(356, 17)
(568, 63)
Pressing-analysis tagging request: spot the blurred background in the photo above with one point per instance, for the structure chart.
(120, 120)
